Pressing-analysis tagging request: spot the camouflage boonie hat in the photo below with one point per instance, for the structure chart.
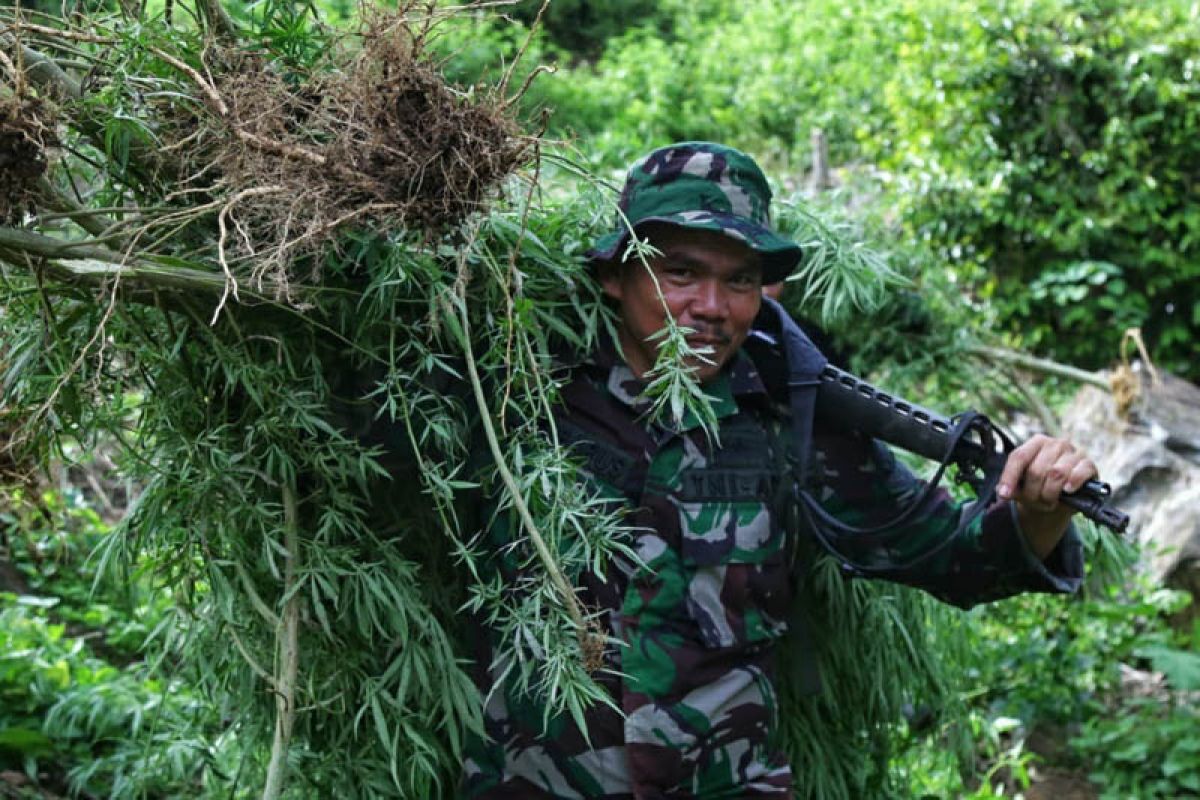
(707, 186)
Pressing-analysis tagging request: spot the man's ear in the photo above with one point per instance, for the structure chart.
(609, 274)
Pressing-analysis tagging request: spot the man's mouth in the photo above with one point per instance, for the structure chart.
(703, 333)
(707, 341)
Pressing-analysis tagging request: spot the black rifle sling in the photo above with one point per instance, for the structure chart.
(804, 364)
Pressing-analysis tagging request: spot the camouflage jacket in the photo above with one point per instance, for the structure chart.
(698, 618)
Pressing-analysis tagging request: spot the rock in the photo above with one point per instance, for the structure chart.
(1142, 685)
(1152, 461)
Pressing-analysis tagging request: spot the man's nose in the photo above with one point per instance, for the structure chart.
(710, 301)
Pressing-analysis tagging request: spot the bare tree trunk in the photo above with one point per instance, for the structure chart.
(820, 180)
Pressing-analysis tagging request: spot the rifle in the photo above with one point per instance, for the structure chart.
(970, 441)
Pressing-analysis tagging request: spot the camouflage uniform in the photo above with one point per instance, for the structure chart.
(698, 622)
(692, 683)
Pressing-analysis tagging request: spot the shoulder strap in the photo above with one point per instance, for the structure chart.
(804, 364)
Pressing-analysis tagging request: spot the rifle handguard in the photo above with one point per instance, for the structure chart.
(854, 403)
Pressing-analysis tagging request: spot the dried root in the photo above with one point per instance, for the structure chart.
(373, 139)
(26, 134)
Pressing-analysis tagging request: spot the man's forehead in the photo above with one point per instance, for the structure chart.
(700, 254)
(710, 251)
(748, 262)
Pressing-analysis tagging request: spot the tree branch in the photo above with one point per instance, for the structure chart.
(1039, 365)
(81, 261)
(43, 71)
(92, 222)
(36, 244)
(1037, 405)
(61, 33)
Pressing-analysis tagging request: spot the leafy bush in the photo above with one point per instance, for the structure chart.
(759, 75)
(582, 27)
(68, 718)
(1048, 662)
(1150, 747)
(1146, 751)
(78, 708)
(1054, 143)
(34, 668)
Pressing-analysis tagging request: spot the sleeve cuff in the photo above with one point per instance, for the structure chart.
(1062, 569)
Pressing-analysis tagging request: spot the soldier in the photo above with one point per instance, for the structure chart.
(698, 615)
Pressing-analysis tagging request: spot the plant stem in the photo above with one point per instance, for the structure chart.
(539, 544)
(1039, 364)
(90, 221)
(91, 261)
(49, 247)
(288, 661)
(218, 20)
(1036, 404)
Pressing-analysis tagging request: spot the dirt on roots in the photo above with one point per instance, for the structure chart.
(26, 134)
(374, 138)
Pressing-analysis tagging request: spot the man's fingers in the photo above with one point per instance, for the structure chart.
(1014, 469)
(1070, 470)
(1045, 477)
(1083, 471)
(1041, 469)
(1056, 470)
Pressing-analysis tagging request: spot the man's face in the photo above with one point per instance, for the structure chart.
(711, 283)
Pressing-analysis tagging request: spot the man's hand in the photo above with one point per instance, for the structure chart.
(1035, 474)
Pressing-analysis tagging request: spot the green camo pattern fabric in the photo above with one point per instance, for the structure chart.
(699, 617)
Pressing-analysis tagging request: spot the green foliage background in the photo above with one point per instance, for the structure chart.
(1044, 149)
(996, 160)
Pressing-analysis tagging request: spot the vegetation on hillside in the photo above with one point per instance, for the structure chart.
(1044, 150)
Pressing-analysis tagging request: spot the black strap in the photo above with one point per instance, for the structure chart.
(804, 364)
(831, 533)
(803, 398)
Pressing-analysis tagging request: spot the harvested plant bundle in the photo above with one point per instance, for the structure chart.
(268, 275)
(26, 134)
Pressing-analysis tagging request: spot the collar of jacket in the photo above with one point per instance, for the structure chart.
(737, 383)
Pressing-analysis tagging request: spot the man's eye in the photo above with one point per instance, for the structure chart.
(678, 271)
(744, 282)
